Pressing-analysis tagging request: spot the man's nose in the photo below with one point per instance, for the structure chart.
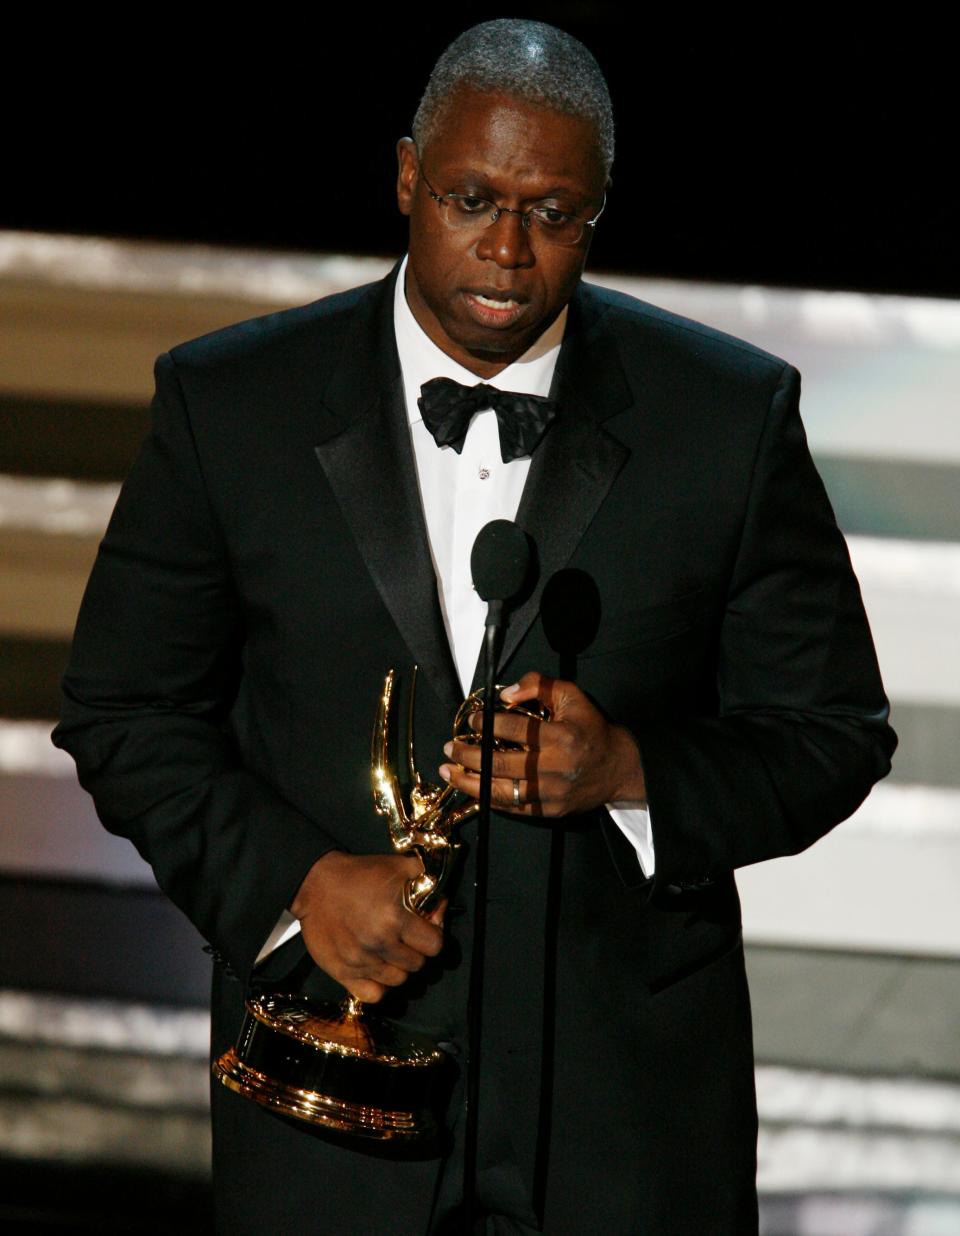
(506, 242)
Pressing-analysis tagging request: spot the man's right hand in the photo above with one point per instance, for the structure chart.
(355, 925)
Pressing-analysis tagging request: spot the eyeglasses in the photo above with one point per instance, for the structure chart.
(468, 212)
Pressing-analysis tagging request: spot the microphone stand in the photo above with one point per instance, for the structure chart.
(491, 633)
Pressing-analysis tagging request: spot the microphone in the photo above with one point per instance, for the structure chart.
(499, 562)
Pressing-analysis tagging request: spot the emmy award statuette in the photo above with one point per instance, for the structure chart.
(340, 1066)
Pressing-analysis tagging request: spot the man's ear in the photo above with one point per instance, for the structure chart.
(408, 166)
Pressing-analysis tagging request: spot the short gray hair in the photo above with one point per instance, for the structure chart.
(527, 60)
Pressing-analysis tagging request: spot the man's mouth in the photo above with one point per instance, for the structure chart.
(494, 308)
(494, 302)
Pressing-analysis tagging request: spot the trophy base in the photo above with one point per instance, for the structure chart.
(320, 1109)
(334, 1067)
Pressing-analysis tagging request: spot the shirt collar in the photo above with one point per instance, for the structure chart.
(421, 359)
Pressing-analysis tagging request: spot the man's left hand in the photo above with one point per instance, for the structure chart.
(574, 762)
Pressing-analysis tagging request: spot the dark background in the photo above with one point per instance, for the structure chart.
(782, 150)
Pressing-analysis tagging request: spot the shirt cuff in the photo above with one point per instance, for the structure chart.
(633, 820)
(286, 928)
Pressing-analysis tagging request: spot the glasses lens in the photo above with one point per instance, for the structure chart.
(562, 230)
(468, 212)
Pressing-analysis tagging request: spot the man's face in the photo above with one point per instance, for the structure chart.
(484, 296)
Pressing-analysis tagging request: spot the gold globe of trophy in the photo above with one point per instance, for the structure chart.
(340, 1066)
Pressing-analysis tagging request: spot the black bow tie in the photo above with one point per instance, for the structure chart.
(448, 407)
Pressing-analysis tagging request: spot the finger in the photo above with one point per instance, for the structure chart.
(404, 947)
(377, 973)
(421, 935)
(501, 790)
(560, 696)
(516, 795)
(519, 728)
(365, 989)
(400, 955)
(388, 976)
(532, 686)
(514, 727)
(507, 764)
(438, 913)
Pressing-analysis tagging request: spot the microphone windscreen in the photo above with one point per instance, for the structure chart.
(499, 560)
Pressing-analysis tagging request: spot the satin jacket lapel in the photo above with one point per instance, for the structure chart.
(369, 465)
(575, 466)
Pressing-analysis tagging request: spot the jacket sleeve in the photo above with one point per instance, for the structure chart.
(156, 664)
(801, 732)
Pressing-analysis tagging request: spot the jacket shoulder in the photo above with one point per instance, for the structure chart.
(322, 323)
(637, 321)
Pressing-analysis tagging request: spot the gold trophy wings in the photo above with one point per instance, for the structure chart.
(427, 827)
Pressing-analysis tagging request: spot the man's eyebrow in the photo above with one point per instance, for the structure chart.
(484, 180)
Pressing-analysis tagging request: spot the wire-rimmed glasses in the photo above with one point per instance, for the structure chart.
(469, 211)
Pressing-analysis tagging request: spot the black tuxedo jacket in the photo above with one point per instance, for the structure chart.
(268, 562)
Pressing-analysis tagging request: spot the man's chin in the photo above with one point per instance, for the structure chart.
(498, 353)
(498, 345)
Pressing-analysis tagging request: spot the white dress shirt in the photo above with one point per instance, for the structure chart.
(460, 494)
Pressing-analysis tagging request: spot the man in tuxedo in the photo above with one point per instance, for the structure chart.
(299, 522)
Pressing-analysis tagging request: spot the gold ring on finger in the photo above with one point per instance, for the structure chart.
(516, 792)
